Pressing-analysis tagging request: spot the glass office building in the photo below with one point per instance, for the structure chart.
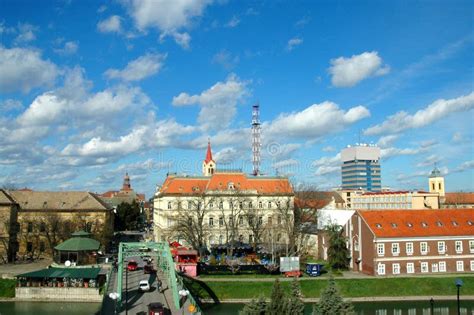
(361, 168)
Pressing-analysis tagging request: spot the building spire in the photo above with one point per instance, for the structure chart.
(209, 152)
(209, 165)
(126, 182)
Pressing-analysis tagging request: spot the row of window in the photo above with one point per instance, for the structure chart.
(382, 205)
(220, 205)
(29, 247)
(403, 198)
(424, 267)
(241, 220)
(212, 239)
(424, 248)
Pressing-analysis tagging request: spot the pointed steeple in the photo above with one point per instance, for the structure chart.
(208, 165)
(126, 183)
(209, 152)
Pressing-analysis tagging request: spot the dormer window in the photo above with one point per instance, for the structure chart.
(424, 224)
(394, 225)
(378, 226)
(409, 224)
(454, 223)
(439, 223)
(470, 223)
(230, 185)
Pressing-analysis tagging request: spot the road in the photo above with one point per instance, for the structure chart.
(136, 302)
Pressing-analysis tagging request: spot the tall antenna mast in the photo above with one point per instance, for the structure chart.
(256, 129)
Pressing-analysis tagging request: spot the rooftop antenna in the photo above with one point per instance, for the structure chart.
(256, 144)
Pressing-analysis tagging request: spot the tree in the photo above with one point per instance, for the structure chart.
(331, 302)
(254, 217)
(286, 222)
(295, 302)
(338, 253)
(278, 300)
(127, 216)
(231, 218)
(255, 307)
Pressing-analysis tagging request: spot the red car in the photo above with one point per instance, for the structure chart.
(294, 273)
(132, 265)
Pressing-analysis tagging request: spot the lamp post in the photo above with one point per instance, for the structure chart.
(432, 306)
(183, 293)
(458, 283)
(114, 296)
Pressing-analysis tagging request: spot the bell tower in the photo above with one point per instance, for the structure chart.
(126, 183)
(436, 182)
(208, 165)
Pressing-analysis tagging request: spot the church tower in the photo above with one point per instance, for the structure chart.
(436, 182)
(209, 165)
(126, 183)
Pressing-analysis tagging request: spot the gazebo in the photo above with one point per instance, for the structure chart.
(80, 249)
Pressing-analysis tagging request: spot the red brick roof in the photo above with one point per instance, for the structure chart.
(208, 153)
(221, 181)
(419, 223)
(462, 198)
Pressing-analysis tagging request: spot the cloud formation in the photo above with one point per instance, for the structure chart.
(437, 110)
(347, 72)
(138, 69)
(113, 24)
(292, 43)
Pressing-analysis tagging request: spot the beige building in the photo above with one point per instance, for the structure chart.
(42, 220)
(224, 206)
(396, 200)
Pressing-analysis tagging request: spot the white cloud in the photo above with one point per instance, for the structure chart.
(457, 137)
(430, 161)
(387, 141)
(225, 59)
(166, 16)
(23, 69)
(437, 110)
(328, 149)
(10, 105)
(327, 165)
(69, 48)
(26, 33)
(325, 170)
(387, 153)
(285, 163)
(233, 22)
(218, 103)
(347, 72)
(315, 121)
(292, 43)
(138, 69)
(102, 9)
(112, 24)
(464, 167)
(227, 156)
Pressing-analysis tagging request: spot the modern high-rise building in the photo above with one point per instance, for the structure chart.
(361, 168)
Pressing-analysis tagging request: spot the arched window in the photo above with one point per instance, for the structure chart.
(169, 205)
(211, 221)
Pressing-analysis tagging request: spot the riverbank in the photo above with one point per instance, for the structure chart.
(349, 288)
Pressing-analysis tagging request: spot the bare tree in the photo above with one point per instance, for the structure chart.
(232, 217)
(254, 214)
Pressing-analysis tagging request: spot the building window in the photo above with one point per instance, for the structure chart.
(442, 266)
(279, 219)
(459, 265)
(221, 205)
(270, 220)
(42, 227)
(221, 221)
(472, 265)
(471, 246)
(260, 205)
(241, 205)
(441, 247)
(231, 220)
(269, 205)
(434, 267)
(260, 221)
(190, 205)
(424, 248)
(356, 245)
(169, 205)
(409, 248)
(211, 221)
(241, 220)
(211, 205)
(396, 269)
(169, 222)
(381, 269)
(250, 205)
(29, 246)
(410, 267)
(458, 247)
(278, 237)
(395, 249)
(381, 249)
(221, 239)
(424, 267)
(30, 227)
(42, 246)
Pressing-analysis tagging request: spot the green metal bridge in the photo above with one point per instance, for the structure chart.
(162, 255)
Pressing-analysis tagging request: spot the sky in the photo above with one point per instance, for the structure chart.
(90, 90)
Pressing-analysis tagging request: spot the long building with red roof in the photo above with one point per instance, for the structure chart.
(229, 204)
(400, 242)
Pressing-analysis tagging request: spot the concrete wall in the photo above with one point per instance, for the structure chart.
(58, 294)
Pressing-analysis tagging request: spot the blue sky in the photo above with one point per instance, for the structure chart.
(90, 90)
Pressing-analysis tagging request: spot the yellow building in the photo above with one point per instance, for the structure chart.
(396, 200)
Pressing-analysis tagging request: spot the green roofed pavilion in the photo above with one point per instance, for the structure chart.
(77, 250)
(73, 273)
(78, 244)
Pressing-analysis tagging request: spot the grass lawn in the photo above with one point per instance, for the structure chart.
(350, 287)
(7, 288)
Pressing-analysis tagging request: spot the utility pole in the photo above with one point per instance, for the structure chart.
(256, 144)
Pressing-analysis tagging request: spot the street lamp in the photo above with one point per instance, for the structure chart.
(458, 283)
(432, 306)
(114, 296)
(183, 293)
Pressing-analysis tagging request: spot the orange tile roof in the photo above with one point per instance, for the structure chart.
(220, 182)
(419, 223)
(459, 198)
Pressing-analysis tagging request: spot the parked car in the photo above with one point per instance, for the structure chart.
(144, 286)
(149, 269)
(294, 273)
(147, 259)
(156, 309)
(132, 265)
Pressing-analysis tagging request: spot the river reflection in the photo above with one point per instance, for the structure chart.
(48, 308)
(375, 308)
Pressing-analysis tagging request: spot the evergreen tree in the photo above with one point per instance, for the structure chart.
(331, 302)
(127, 217)
(295, 301)
(255, 307)
(338, 253)
(278, 300)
